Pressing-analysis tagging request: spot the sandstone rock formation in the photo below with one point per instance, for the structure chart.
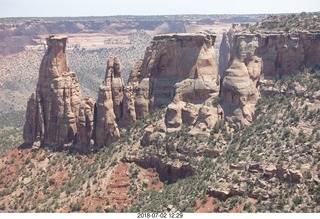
(178, 69)
(32, 126)
(257, 58)
(106, 127)
(226, 47)
(85, 125)
(239, 94)
(129, 116)
(55, 114)
(114, 73)
(178, 72)
(52, 111)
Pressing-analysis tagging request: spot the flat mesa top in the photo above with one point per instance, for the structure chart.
(182, 35)
(57, 37)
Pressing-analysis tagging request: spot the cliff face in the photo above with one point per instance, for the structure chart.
(179, 72)
(109, 104)
(52, 111)
(257, 57)
(226, 47)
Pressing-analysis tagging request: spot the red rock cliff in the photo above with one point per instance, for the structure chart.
(257, 57)
(52, 110)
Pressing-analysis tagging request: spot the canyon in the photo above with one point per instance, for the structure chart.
(194, 127)
(179, 72)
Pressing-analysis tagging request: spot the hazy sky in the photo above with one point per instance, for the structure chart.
(49, 8)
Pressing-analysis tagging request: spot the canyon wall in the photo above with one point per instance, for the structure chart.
(255, 59)
(179, 72)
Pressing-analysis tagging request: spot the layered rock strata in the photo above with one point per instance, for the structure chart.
(257, 58)
(109, 102)
(226, 47)
(52, 110)
(85, 125)
(178, 72)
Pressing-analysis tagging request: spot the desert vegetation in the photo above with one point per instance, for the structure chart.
(244, 174)
(271, 165)
(290, 22)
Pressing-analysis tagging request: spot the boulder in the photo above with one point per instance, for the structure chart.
(219, 193)
(270, 171)
(173, 116)
(238, 166)
(148, 135)
(189, 114)
(296, 176)
(209, 113)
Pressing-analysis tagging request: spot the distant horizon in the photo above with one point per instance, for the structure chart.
(157, 15)
(99, 8)
(154, 15)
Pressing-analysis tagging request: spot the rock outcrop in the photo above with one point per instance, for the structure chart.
(129, 115)
(226, 47)
(32, 126)
(114, 70)
(178, 69)
(85, 125)
(179, 72)
(257, 58)
(52, 111)
(106, 127)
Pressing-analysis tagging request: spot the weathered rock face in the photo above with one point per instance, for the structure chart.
(135, 75)
(180, 67)
(52, 111)
(106, 127)
(129, 113)
(226, 47)
(32, 127)
(224, 53)
(209, 113)
(239, 93)
(257, 57)
(129, 100)
(114, 73)
(176, 70)
(285, 53)
(170, 172)
(85, 125)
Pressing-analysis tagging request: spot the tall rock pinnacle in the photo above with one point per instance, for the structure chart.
(52, 111)
(109, 104)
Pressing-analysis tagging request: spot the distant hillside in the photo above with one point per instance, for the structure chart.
(290, 22)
